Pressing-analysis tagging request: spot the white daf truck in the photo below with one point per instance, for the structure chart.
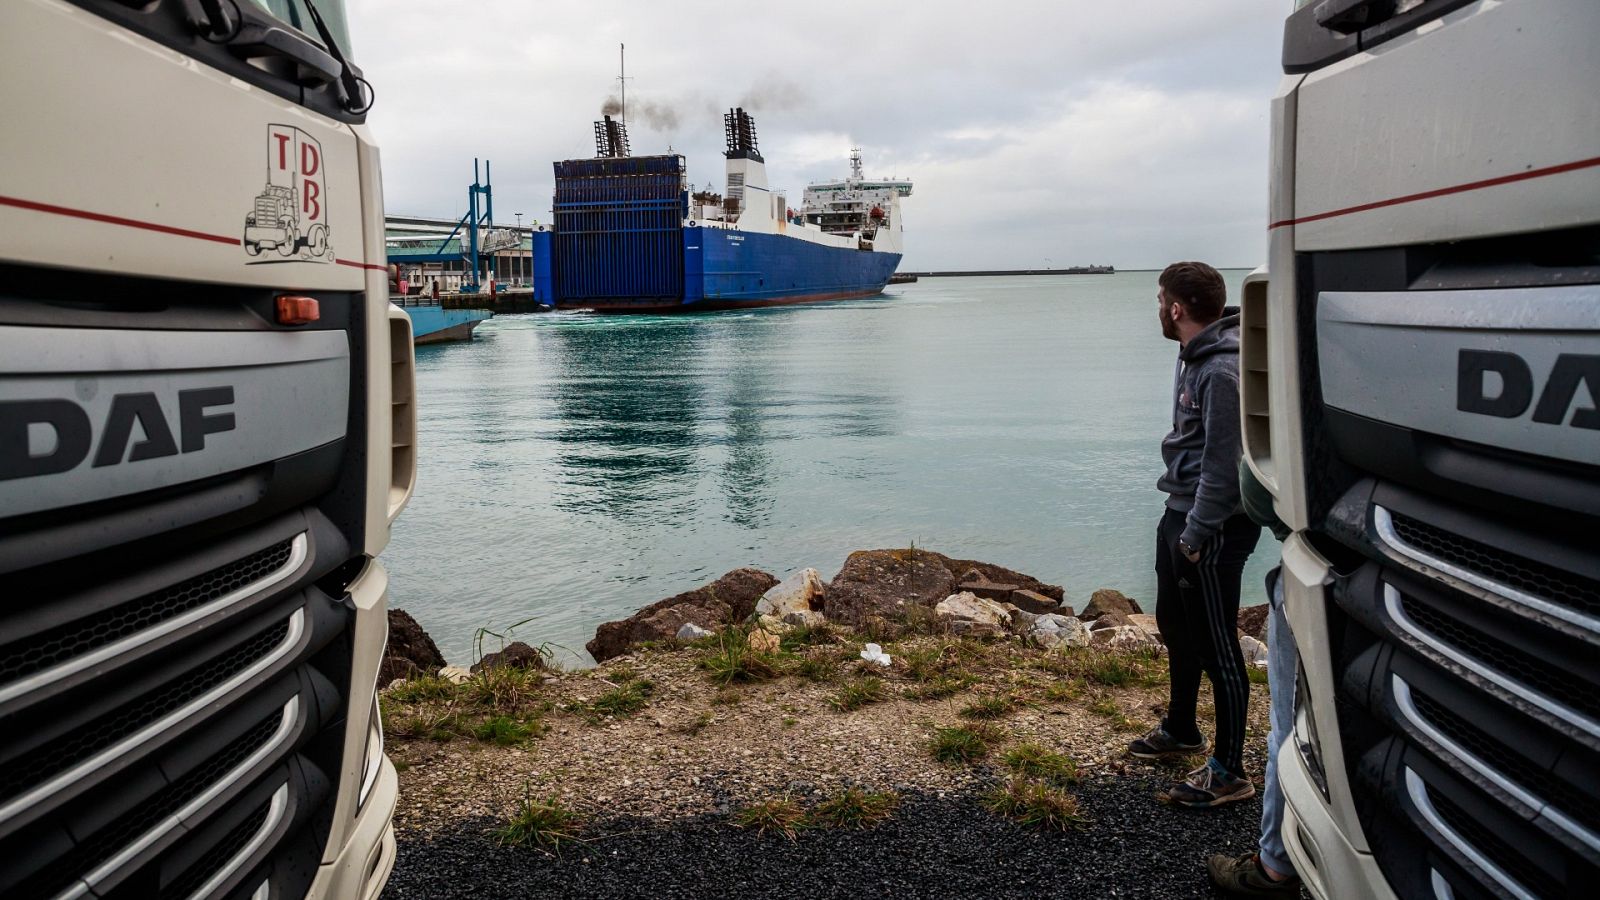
(202, 448)
(1421, 393)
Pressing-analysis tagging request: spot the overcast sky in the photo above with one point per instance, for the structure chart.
(1130, 132)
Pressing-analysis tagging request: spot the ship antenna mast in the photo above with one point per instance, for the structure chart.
(622, 78)
(855, 163)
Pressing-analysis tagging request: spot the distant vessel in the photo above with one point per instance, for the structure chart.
(432, 323)
(629, 237)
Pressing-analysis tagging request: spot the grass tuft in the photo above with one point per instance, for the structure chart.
(854, 808)
(422, 688)
(1034, 804)
(505, 731)
(857, 693)
(941, 687)
(1256, 676)
(540, 823)
(802, 636)
(619, 702)
(965, 743)
(1106, 707)
(816, 667)
(733, 661)
(995, 707)
(780, 814)
(1033, 761)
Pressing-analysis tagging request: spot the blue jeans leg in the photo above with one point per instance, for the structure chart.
(1281, 659)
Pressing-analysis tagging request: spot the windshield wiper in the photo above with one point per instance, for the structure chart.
(356, 101)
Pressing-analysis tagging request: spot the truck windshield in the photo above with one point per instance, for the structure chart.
(294, 13)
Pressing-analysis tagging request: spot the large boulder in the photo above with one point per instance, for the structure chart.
(1148, 623)
(967, 613)
(1107, 600)
(1052, 630)
(1253, 621)
(1125, 638)
(1001, 575)
(1033, 601)
(515, 655)
(730, 599)
(884, 583)
(801, 594)
(410, 650)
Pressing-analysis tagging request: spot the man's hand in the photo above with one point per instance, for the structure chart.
(1190, 553)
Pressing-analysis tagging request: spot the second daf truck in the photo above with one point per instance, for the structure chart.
(1421, 393)
(206, 430)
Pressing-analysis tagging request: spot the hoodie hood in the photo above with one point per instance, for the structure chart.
(1221, 336)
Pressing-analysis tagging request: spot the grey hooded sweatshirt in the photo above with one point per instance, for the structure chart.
(1202, 451)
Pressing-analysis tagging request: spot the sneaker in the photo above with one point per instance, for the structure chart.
(1209, 785)
(1242, 876)
(1157, 744)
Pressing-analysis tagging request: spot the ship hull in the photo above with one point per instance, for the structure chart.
(731, 269)
(431, 324)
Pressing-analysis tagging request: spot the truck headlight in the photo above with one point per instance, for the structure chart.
(372, 761)
(1305, 731)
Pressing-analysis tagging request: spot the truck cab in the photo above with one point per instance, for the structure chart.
(1421, 394)
(202, 448)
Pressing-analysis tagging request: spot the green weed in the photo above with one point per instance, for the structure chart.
(854, 808)
(1034, 804)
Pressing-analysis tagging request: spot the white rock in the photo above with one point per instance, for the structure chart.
(773, 624)
(689, 631)
(455, 674)
(805, 618)
(1255, 652)
(1126, 637)
(801, 591)
(1148, 623)
(967, 607)
(1052, 630)
(874, 654)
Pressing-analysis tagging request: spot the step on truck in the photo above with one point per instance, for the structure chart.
(202, 449)
(1421, 393)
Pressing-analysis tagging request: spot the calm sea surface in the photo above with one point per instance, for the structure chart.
(576, 467)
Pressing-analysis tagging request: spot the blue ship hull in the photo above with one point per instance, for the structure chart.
(432, 323)
(725, 269)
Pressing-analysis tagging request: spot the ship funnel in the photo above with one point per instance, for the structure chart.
(740, 130)
(610, 138)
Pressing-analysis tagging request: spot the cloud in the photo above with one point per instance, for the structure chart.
(1129, 133)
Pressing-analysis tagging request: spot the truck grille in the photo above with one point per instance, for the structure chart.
(163, 729)
(60, 645)
(1470, 719)
(1562, 588)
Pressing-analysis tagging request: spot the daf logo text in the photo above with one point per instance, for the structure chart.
(1497, 383)
(44, 437)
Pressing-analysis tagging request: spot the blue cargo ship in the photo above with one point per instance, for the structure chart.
(630, 237)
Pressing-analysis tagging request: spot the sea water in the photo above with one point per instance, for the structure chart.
(574, 467)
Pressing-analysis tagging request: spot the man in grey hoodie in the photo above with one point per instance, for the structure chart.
(1203, 540)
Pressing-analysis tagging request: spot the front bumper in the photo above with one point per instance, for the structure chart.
(362, 866)
(1326, 861)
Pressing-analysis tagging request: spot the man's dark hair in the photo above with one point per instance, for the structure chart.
(1198, 287)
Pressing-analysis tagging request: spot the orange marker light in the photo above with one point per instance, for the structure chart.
(293, 310)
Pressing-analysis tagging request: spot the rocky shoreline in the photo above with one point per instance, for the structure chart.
(785, 713)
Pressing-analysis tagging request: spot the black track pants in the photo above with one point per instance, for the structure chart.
(1197, 609)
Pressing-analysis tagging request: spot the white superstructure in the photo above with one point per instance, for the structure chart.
(852, 213)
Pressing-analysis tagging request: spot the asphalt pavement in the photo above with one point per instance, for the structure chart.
(1134, 846)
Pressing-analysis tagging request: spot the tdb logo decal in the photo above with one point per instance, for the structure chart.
(1475, 394)
(291, 212)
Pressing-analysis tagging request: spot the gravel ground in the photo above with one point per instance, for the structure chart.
(1134, 846)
